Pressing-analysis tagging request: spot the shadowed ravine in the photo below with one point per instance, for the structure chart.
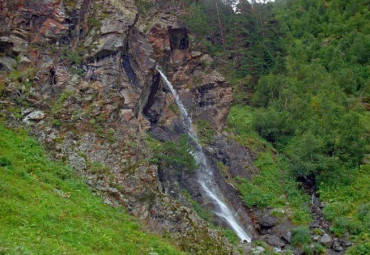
(204, 174)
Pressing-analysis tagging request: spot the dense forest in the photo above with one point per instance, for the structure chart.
(301, 68)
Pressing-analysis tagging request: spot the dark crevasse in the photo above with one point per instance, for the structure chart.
(128, 69)
(151, 98)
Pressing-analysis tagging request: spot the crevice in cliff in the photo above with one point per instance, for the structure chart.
(81, 18)
(151, 98)
(125, 62)
(126, 65)
(178, 38)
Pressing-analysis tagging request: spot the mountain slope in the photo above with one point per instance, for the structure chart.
(46, 209)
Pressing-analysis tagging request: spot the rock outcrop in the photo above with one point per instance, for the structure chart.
(85, 84)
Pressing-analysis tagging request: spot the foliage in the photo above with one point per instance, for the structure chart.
(251, 36)
(46, 209)
(202, 212)
(97, 168)
(348, 206)
(205, 131)
(177, 155)
(273, 125)
(197, 21)
(94, 22)
(300, 236)
(310, 110)
(73, 57)
(239, 123)
(316, 249)
(231, 236)
(270, 187)
(143, 5)
(58, 104)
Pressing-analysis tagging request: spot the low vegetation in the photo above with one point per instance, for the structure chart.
(300, 73)
(176, 155)
(347, 196)
(46, 209)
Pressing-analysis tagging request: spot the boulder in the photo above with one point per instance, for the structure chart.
(258, 250)
(287, 236)
(336, 246)
(268, 221)
(274, 241)
(326, 240)
(7, 64)
(36, 115)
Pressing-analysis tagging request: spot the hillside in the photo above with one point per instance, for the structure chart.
(220, 126)
(47, 209)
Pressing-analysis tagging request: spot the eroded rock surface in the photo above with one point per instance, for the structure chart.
(88, 88)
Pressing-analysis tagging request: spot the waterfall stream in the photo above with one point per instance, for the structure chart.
(205, 175)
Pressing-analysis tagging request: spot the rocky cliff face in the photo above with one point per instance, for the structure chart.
(81, 74)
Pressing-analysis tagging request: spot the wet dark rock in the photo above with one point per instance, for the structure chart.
(268, 221)
(274, 241)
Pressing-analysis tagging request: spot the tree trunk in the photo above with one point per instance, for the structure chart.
(220, 24)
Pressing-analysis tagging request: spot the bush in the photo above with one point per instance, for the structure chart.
(362, 249)
(176, 155)
(4, 162)
(144, 5)
(340, 226)
(273, 125)
(205, 131)
(300, 236)
(316, 249)
(363, 212)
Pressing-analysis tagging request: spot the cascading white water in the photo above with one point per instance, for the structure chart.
(205, 174)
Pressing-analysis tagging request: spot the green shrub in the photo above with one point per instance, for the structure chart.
(231, 236)
(205, 132)
(94, 22)
(74, 57)
(363, 212)
(316, 249)
(340, 226)
(300, 236)
(4, 162)
(202, 212)
(361, 249)
(176, 155)
(273, 125)
(97, 168)
(144, 5)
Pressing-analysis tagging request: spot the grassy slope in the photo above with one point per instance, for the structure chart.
(348, 198)
(272, 186)
(46, 209)
(346, 195)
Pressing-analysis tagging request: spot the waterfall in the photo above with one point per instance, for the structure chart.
(205, 175)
